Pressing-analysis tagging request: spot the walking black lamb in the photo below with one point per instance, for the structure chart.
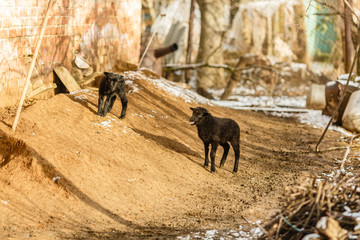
(213, 130)
(110, 85)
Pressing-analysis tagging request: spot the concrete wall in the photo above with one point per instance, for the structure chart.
(101, 31)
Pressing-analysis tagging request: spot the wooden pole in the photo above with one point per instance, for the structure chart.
(148, 45)
(28, 76)
(189, 45)
(340, 100)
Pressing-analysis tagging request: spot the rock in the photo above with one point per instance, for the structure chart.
(351, 116)
(333, 91)
(312, 236)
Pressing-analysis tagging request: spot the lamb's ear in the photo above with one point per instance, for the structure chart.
(119, 77)
(206, 112)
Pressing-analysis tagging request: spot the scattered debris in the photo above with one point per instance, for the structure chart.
(55, 179)
(81, 62)
(329, 208)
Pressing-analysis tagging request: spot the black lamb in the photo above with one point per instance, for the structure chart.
(110, 85)
(213, 130)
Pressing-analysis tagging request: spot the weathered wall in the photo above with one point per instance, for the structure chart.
(268, 27)
(101, 31)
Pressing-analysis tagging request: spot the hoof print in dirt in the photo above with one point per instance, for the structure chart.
(112, 84)
(213, 130)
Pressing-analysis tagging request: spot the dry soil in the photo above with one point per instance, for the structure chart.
(67, 173)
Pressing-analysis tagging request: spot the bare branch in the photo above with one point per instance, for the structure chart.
(307, 9)
(326, 14)
(218, 47)
(174, 67)
(352, 9)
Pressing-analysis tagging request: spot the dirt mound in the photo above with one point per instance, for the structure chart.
(68, 173)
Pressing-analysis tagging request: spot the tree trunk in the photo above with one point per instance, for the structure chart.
(233, 81)
(269, 37)
(348, 45)
(189, 43)
(358, 59)
(301, 50)
(210, 50)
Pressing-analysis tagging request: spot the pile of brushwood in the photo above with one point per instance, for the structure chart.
(322, 209)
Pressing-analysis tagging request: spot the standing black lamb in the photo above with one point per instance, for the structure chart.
(110, 85)
(215, 131)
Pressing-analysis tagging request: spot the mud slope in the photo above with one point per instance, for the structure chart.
(68, 173)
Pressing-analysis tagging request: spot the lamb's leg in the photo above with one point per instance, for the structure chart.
(124, 102)
(206, 146)
(107, 104)
(112, 100)
(100, 104)
(226, 147)
(236, 147)
(212, 155)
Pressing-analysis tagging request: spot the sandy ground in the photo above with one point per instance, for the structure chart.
(67, 173)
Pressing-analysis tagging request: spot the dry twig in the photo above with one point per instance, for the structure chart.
(328, 198)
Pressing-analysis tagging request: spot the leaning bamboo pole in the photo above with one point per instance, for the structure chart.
(28, 76)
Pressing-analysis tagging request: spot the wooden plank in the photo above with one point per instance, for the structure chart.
(40, 90)
(89, 79)
(66, 78)
(92, 88)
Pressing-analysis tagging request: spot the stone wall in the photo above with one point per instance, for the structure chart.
(101, 31)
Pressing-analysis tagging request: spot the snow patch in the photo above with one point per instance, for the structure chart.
(173, 89)
(322, 223)
(239, 234)
(133, 88)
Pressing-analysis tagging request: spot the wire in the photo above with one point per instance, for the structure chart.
(290, 224)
